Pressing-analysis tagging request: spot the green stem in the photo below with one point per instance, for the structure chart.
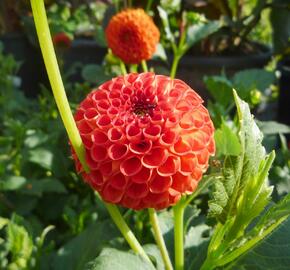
(178, 210)
(125, 230)
(49, 56)
(174, 66)
(144, 66)
(148, 6)
(159, 239)
(54, 76)
(123, 68)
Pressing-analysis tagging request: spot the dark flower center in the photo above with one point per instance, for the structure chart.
(143, 108)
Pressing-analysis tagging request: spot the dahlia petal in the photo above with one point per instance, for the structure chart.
(140, 148)
(90, 162)
(153, 199)
(88, 143)
(197, 174)
(104, 122)
(160, 184)
(116, 135)
(143, 176)
(98, 153)
(111, 194)
(129, 202)
(99, 95)
(131, 166)
(155, 158)
(137, 191)
(79, 115)
(83, 127)
(187, 121)
(106, 168)
(188, 164)
(118, 181)
(168, 138)
(99, 137)
(117, 151)
(96, 178)
(112, 112)
(172, 121)
(170, 167)
(203, 156)
(133, 133)
(180, 182)
(152, 132)
(181, 147)
(183, 105)
(103, 105)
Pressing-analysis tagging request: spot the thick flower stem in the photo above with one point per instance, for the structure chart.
(144, 66)
(57, 86)
(125, 230)
(159, 239)
(174, 66)
(178, 210)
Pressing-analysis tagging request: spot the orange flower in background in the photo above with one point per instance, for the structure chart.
(132, 36)
(148, 139)
(62, 40)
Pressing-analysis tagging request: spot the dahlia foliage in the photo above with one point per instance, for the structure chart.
(132, 36)
(148, 139)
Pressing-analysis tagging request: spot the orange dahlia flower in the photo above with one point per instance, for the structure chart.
(132, 36)
(148, 139)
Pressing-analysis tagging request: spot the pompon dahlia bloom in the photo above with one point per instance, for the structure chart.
(148, 139)
(132, 36)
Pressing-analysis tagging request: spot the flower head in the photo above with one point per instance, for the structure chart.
(132, 36)
(62, 40)
(148, 139)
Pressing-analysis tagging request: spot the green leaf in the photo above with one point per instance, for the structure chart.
(111, 259)
(166, 25)
(241, 193)
(155, 256)
(242, 170)
(252, 79)
(12, 183)
(35, 138)
(272, 253)
(94, 74)
(3, 222)
(200, 31)
(196, 241)
(220, 88)
(42, 157)
(82, 249)
(160, 53)
(46, 185)
(19, 244)
(272, 127)
(227, 141)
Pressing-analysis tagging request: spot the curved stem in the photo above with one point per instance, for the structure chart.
(144, 66)
(123, 68)
(178, 210)
(54, 76)
(159, 239)
(125, 230)
(51, 64)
